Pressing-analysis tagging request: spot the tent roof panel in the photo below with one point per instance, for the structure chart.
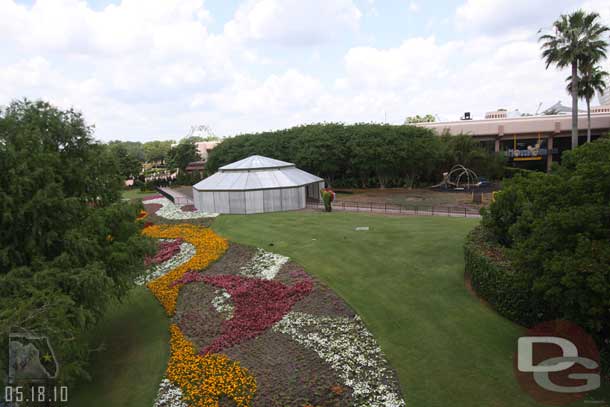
(255, 162)
(284, 175)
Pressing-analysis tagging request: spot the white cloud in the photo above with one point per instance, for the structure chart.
(293, 22)
(503, 16)
(151, 69)
(413, 7)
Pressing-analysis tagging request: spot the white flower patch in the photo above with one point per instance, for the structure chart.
(169, 395)
(350, 349)
(264, 265)
(222, 303)
(169, 210)
(187, 251)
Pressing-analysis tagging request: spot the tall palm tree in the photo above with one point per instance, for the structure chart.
(576, 37)
(592, 79)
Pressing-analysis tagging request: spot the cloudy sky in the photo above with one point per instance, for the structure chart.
(150, 69)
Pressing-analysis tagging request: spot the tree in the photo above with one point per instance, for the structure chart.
(157, 150)
(181, 155)
(577, 37)
(557, 232)
(592, 79)
(420, 119)
(129, 165)
(69, 246)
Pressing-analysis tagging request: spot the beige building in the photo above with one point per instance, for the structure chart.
(534, 141)
(204, 148)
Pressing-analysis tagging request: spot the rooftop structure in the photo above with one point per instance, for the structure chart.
(256, 184)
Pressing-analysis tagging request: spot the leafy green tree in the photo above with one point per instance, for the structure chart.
(592, 79)
(420, 119)
(133, 148)
(557, 230)
(157, 150)
(181, 155)
(576, 37)
(129, 165)
(68, 246)
(360, 155)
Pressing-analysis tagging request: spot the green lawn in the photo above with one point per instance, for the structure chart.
(127, 372)
(405, 278)
(136, 193)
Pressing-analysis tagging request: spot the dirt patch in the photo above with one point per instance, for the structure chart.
(420, 197)
(236, 257)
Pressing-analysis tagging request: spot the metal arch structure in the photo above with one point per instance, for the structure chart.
(461, 177)
(201, 129)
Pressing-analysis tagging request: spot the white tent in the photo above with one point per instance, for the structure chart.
(256, 184)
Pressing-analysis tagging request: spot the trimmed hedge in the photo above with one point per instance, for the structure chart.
(493, 279)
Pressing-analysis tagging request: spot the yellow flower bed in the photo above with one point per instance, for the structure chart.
(208, 248)
(204, 379)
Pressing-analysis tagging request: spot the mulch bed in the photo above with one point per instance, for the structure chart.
(287, 374)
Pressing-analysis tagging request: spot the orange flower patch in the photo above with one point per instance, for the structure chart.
(142, 215)
(204, 379)
(208, 245)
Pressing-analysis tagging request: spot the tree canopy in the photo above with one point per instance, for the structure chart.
(363, 155)
(68, 245)
(556, 228)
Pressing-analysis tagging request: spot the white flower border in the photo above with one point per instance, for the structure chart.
(350, 349)
(187, 251)
(222, 303)
(169, 395)
(264, 265)
(169, 210)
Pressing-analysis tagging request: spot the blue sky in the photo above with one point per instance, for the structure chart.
(150, 69)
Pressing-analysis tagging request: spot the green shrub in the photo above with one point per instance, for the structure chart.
(494, 280)
(555, 229)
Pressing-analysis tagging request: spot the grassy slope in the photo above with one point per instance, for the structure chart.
(405, 278)
(128, 371)
(136, 193)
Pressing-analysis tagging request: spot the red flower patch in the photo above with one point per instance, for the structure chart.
(258, 305)
(165, 251)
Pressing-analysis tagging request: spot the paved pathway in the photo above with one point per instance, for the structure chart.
(178, 197)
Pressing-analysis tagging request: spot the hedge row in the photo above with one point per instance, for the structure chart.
(493, 279)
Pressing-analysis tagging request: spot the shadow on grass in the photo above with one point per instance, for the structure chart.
(127, 369)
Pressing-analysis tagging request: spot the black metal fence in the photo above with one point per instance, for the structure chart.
(395, 209)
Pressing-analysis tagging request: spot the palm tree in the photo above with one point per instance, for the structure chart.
(576, 37)
(592, 79)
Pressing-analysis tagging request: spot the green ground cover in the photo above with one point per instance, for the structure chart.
(128, 368)
(405, 278)
(136, 193)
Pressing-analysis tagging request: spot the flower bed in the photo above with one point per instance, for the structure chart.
(169, 395)
(208, 248)
(264, 313)
(166, 250)
(205, 379)
(169, 210)
(186, 253)
(264, 265)
(351, 350)
(258, 305)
